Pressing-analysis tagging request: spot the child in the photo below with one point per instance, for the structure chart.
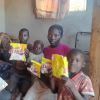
(37, 52)
(78, 86)
(38, 89)
(20, 77)
(55, 33)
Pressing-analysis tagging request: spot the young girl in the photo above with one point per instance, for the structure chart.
(20, 78)
(55, 34)
(78, 86)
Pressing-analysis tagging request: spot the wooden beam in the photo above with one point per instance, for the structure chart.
(94, 68)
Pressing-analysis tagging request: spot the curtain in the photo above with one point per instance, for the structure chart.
(56, 9)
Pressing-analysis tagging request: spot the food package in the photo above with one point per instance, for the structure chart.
(59, 65)
(46, 64)
(35, 68)
(18, 51)
(3, 84)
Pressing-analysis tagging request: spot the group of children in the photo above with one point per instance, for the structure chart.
(77, 86)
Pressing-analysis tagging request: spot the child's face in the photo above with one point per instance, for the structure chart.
(54, 37)
(75, 62)
(23, 37)
(5, 44)
(37, 48)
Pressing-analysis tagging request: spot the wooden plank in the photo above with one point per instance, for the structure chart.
(94, 68)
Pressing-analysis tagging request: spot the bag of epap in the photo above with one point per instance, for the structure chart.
(18, 51)
(59, 65)
(35, 68)
(46, 64)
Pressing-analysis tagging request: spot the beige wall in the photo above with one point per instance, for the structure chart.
(2, 16)
(19, 14)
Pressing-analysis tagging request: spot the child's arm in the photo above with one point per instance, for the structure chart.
(49, 81)
(78, 96)
(68, 82)
(28, 63)
(26, 53)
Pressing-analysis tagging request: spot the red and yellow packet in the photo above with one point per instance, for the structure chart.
(18, 51)
(59, 65)
(46, 64)
(35, 68)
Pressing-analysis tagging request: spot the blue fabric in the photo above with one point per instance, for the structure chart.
(5, 95)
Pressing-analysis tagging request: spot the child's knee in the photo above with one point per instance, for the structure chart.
(24, 87)
(10, 89)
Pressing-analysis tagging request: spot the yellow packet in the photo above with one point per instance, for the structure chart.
(18, 51)
(46, 63)
(35, 68)
(3, 84)
(59, 65)
(0, 41)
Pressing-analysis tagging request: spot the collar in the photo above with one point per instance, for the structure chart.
(77, 76)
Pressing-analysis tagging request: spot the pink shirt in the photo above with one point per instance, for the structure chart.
(82, 83)
(61, 50)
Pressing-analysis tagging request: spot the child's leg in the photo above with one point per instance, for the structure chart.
(33, 92)
(31, 95)
(19, 97)
(24, 85)
(12, 83)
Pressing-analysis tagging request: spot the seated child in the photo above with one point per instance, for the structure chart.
(5, 64)
(78, 86)
(20, 78)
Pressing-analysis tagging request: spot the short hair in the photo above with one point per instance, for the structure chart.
(24, 29)
(74, 50)
(39, 41)
(56, 26)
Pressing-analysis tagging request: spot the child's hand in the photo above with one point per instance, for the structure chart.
(50, 73)
(10, 49)
(30, 47)
(33, 75)
(30, 64)
(26, 52)
(67, 81)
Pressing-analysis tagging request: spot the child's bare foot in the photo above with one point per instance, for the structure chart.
(19, 97)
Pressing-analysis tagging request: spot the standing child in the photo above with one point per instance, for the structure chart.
(20, 78)
(78, 86)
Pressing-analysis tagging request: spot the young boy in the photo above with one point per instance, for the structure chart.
(78, 86)
(20, 77)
